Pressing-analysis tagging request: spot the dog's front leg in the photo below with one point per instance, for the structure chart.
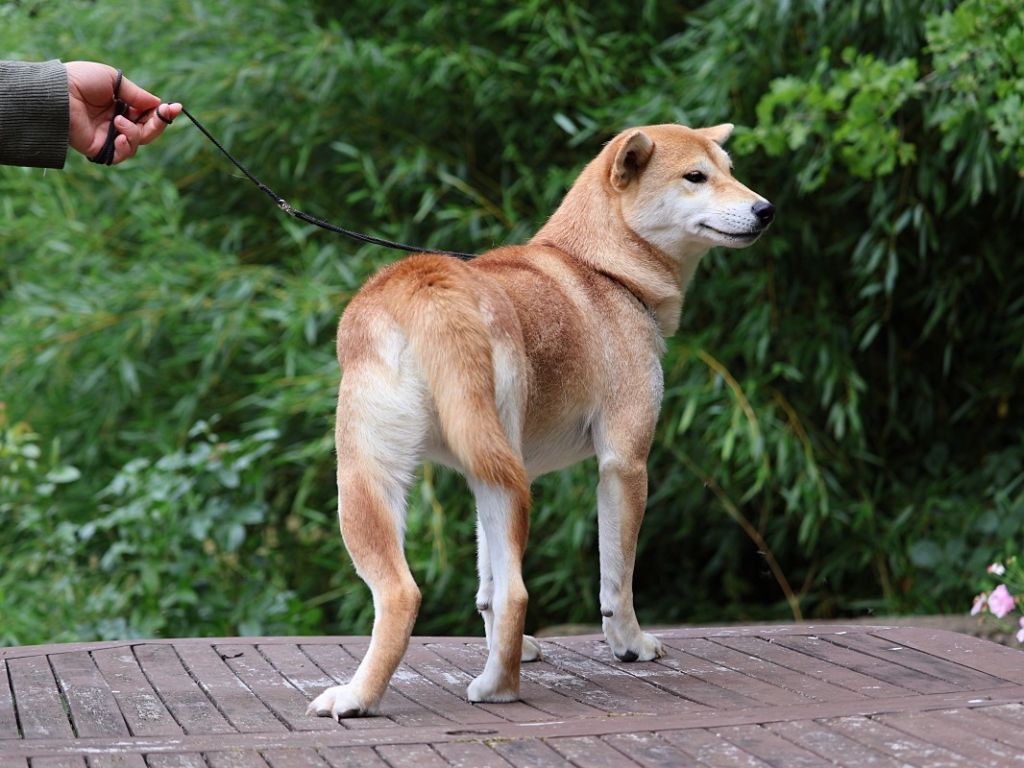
(621, 498)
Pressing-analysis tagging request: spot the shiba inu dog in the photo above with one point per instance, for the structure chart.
(522, 361)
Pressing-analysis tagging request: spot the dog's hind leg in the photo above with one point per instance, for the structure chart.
(380, 432)
(485, 597)
(510, 401)
(503, 519)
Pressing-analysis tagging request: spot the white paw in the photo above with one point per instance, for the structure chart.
(338, 701)
(636, 646)
(651, 647)
(531, 649)
(484, 688)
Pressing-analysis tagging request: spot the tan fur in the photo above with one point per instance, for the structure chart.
(524, 360)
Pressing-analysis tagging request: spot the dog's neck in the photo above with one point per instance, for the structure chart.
(588, 226)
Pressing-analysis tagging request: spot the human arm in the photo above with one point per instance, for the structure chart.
(34, 112)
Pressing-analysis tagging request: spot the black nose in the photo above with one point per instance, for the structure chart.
(764, 211)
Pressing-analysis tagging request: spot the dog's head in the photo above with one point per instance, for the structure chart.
(677, 191)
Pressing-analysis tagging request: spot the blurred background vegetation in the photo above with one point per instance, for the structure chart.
(843, 426)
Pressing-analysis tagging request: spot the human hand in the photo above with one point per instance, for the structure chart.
(91, 102)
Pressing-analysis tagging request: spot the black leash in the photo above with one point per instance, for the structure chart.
(106, 157)
(285, 206)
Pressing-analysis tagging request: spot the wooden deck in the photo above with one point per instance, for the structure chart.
(755, 696)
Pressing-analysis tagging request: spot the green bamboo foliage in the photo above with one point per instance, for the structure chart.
(842, 425)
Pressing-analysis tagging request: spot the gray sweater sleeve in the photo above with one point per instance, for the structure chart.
(34, 113)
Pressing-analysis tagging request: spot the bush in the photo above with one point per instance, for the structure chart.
(841, 430)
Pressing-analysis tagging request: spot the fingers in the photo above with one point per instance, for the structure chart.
(149, 126)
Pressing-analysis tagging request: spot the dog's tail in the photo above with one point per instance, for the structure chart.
(440, 315)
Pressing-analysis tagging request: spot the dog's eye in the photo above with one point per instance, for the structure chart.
(695, 177)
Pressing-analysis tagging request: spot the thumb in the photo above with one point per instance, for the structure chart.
(137, 97)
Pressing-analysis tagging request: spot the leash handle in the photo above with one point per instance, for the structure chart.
(106, 154)
(285, 206)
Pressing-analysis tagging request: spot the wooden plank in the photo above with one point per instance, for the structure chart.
(399, 703)
(39, 702)
(981, 722)
(706, 632)
(556, 690)
(976, 653)
(429, 700)
(234, 700)
(813, 677)
(186, 701)
(143, 711)
(944, 733)
(466, 665)
(72, 761)
(94, 710)
(8, 718)
(590, 751)
(714, 685)
(832, 745)
(353, 757)
(280, 696)
(411, 756)
(711, 749)
(851, 701)
(297, 668)
(448, 688)
(614, 689)
(294, 758)
(178, 760)
(882, 648)
(545, 687)
(890, 741)
(470, 754)
(529, 753)
(772, 749)
(110, 760)
(784, 686)
(879, 678)
(338, 664)
(236, 758)
(650, 750)
(668, 720)
(1011, 713)
(704, 681)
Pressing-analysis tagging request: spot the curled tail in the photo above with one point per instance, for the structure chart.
(439, 312)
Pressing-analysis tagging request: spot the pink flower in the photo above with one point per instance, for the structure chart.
(1020, 635)
(980, 604)
(1001, 602)
(997, 568)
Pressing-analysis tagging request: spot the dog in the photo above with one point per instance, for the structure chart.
(525, 360)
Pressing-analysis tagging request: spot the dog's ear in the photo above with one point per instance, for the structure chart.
(631, 157)
(718, 133)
